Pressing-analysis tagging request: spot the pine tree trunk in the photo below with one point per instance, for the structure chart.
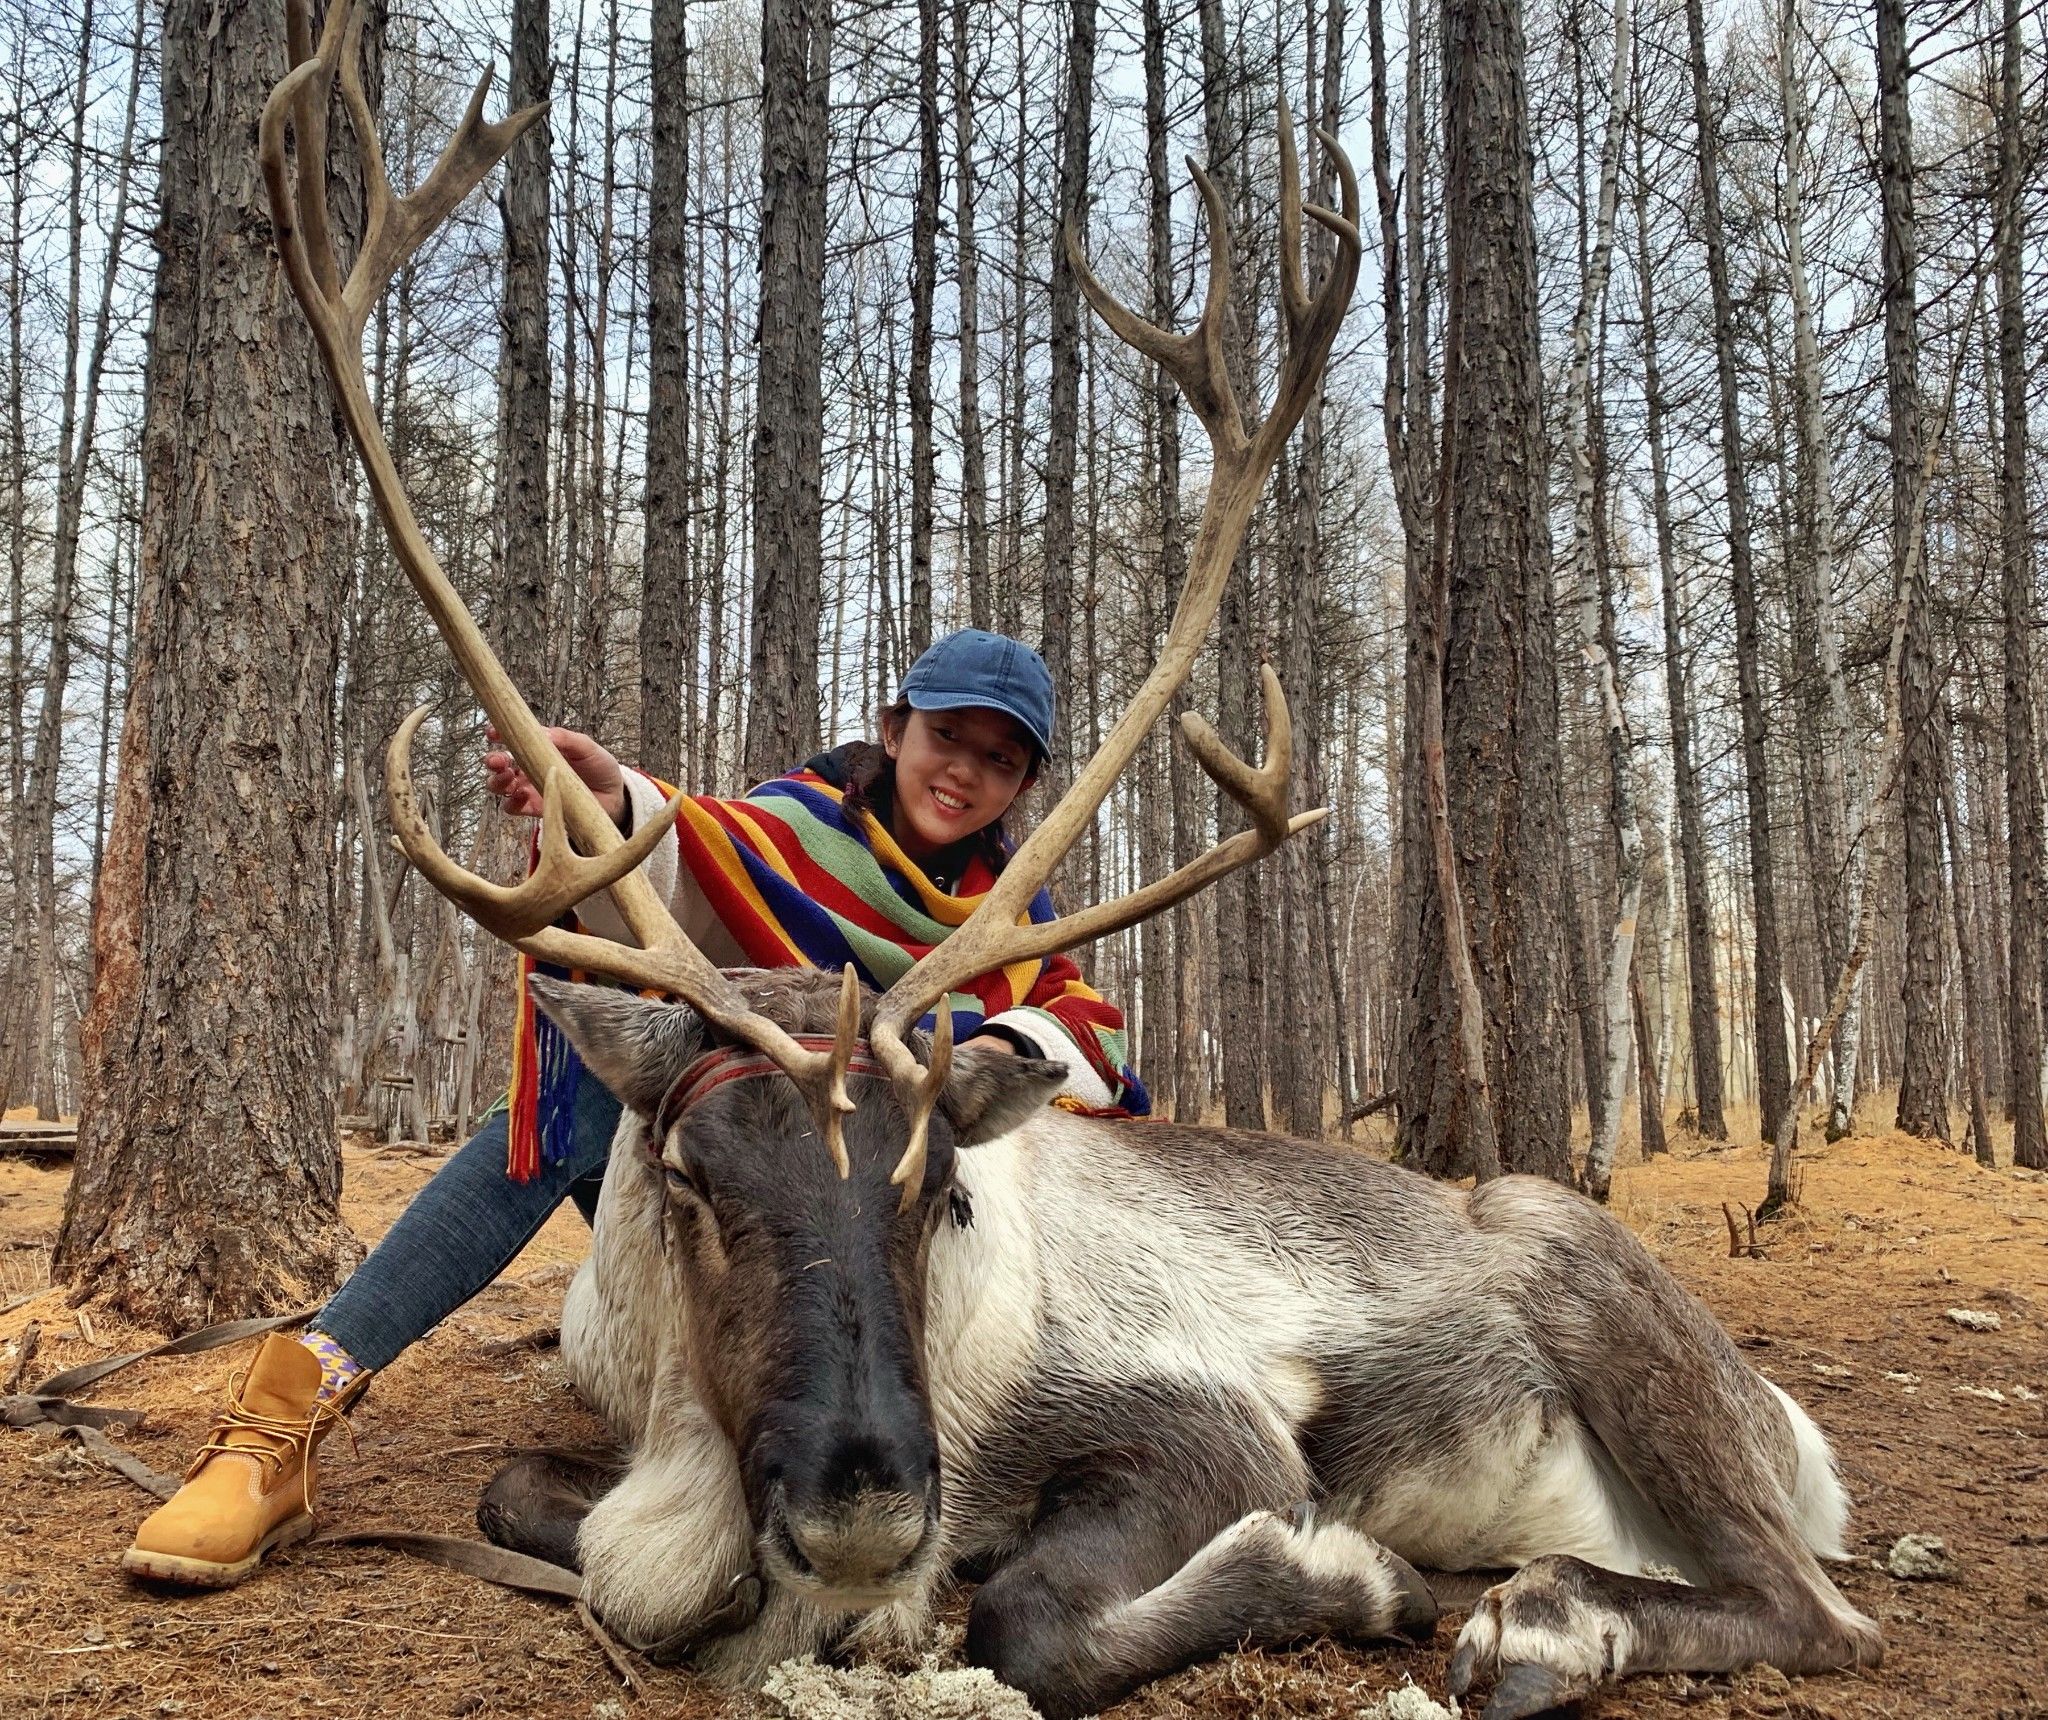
(1773, 1060)
(1239, 897)
(1703, 1004)
(2024, 845)
(1649, 1081)
(973, 458)
(33, 1030)
(1063, 424)
(1499, 667)
(1838, 872)
(668, 641)
(924, 270)
(1182, 1081)
(1302, 1041)
(1596, 623)
(208, 1167)
(525, 372)
(1923, 1081)
(789, 420)
(1973, 1016)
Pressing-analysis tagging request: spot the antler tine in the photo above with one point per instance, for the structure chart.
(1208, 387)
(1294, 297)
(1312, 321)
(561, 879)
(1344, 226)
(1262, 792)
(1170, 351)
(403, 224)
(834, 1102)
(919, 1089)
(300, 101)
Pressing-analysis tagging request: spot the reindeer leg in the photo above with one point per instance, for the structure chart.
(538, 1501)
(1732, 1469)
(1119, 1587)
(1559, 1627)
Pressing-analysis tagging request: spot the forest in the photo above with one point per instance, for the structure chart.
(1737, 381)
(1653, 578)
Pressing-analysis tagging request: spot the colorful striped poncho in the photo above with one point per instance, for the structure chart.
(797, 882)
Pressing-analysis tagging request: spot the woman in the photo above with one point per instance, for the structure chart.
(869, 853)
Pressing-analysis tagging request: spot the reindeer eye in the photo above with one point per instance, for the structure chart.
(682, 1185)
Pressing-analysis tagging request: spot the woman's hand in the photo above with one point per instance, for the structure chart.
(600, 772)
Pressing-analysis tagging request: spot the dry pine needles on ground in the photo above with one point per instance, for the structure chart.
(1940, 1429)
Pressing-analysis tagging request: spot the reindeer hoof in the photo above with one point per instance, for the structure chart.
(1513, 1621)
(1419, 1612)
(1525, 1689)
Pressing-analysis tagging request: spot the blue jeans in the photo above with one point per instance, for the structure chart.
(463, 1229)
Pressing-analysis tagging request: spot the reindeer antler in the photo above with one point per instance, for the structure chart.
(339, 310)
(998, 932)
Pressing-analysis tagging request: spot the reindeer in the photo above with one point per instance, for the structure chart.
(867, 1313)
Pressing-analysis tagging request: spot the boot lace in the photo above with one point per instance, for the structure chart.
(282, 1435)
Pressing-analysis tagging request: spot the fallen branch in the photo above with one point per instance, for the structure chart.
(541, 1338)
(1741, 1247)
(25, 1352)
(1372, 1107)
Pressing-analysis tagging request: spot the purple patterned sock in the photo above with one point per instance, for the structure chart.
(338, 1369)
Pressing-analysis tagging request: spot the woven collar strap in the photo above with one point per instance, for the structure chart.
(726, 1063)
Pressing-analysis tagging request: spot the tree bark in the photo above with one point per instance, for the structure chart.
(1703, 1005)
(208, 1168)
(924, 270)
(1773, 1060)
(1649, 1083)
(525, 373)
(1923, 1081)
(1240, 919)
(1499, 679)
(1838, 870)
(79, 418)
(668, 638)
(973, 458)
(1063, 427)
(789, 419)
(1302, 1043)
(1596, 625)
(2024, 844)
(1973, 1020)
(1183, 1077)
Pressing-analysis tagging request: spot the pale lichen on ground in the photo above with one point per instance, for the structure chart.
(804, 1690)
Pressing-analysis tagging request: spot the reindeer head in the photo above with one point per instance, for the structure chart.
(778, 1179)
(803, 1289)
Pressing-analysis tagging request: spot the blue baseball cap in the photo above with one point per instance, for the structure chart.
(973, 668)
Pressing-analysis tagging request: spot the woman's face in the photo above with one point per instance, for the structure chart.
(956, 773)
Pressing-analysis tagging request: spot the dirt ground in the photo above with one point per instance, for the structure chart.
(1940, 1431)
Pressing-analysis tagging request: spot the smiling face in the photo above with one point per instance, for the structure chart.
(956, 773)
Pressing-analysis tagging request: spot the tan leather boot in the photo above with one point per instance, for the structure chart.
(251, 1486)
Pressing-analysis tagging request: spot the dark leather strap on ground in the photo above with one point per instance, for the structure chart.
(500, 1565)
(50, 1405)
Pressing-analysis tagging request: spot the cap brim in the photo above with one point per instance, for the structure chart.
(979, 702)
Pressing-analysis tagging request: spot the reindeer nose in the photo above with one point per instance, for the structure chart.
(862, 1514)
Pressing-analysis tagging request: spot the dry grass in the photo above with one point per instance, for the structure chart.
(1850, 1298)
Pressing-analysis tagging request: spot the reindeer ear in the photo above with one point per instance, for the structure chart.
(636, 1048)
(990, 1092)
